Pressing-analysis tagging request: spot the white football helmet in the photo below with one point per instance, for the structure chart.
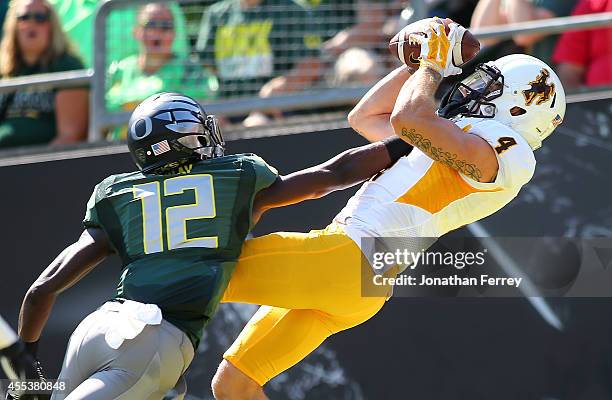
(520, 91)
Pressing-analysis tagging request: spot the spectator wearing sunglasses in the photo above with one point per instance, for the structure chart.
(33, 43)
(77, 19)
(156, 68)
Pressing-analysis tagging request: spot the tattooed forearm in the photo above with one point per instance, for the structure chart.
(438, 154)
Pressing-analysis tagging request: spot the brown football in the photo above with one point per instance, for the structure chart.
(408, 50)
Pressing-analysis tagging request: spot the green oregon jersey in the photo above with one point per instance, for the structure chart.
(179, 235)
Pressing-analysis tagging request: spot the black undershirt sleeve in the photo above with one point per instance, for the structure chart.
(397, 148)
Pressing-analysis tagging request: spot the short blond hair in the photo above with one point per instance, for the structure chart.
(11, 60)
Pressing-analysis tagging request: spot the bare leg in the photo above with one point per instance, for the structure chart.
(230, 383)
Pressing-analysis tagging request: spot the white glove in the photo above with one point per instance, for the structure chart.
(437, 48)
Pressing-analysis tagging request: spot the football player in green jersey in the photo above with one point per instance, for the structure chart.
(178, 225)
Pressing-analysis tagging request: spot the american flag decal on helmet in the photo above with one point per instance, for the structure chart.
(160, 148)
(557, 121)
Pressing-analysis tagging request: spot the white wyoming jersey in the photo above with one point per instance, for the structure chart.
(418, 197)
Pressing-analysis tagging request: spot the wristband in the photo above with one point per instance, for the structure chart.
(397, 148)
(424, 63)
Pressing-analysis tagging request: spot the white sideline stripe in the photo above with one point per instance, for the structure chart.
(512, 269)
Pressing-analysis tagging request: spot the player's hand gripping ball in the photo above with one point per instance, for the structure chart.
(440, 43)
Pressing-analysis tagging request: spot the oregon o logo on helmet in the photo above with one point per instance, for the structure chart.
(141, 128)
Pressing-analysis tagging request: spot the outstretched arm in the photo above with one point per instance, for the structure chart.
(76, 261)
(370, 117)
(346, 169)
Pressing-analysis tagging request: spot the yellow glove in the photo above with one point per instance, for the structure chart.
(437, 48)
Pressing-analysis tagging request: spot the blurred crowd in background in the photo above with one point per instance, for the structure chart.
(228, 49)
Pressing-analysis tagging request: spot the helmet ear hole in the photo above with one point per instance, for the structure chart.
(203, 141)
(516, 111)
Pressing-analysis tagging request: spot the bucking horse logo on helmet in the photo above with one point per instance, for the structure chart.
(540, 89)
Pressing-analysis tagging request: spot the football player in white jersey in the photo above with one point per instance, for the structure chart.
(471, 158)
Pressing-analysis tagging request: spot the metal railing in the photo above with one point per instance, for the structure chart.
(66, 79)
(553, 25)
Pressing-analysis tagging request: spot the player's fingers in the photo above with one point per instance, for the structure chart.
(455, 32)
(416, 38)
(433, 43)
(434, 29)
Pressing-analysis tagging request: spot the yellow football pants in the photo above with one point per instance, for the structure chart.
(311, 286)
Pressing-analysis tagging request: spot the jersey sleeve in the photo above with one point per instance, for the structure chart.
(92, 219)
(265, 174)
(516, 162)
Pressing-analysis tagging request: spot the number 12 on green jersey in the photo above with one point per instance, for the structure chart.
(176, 217)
